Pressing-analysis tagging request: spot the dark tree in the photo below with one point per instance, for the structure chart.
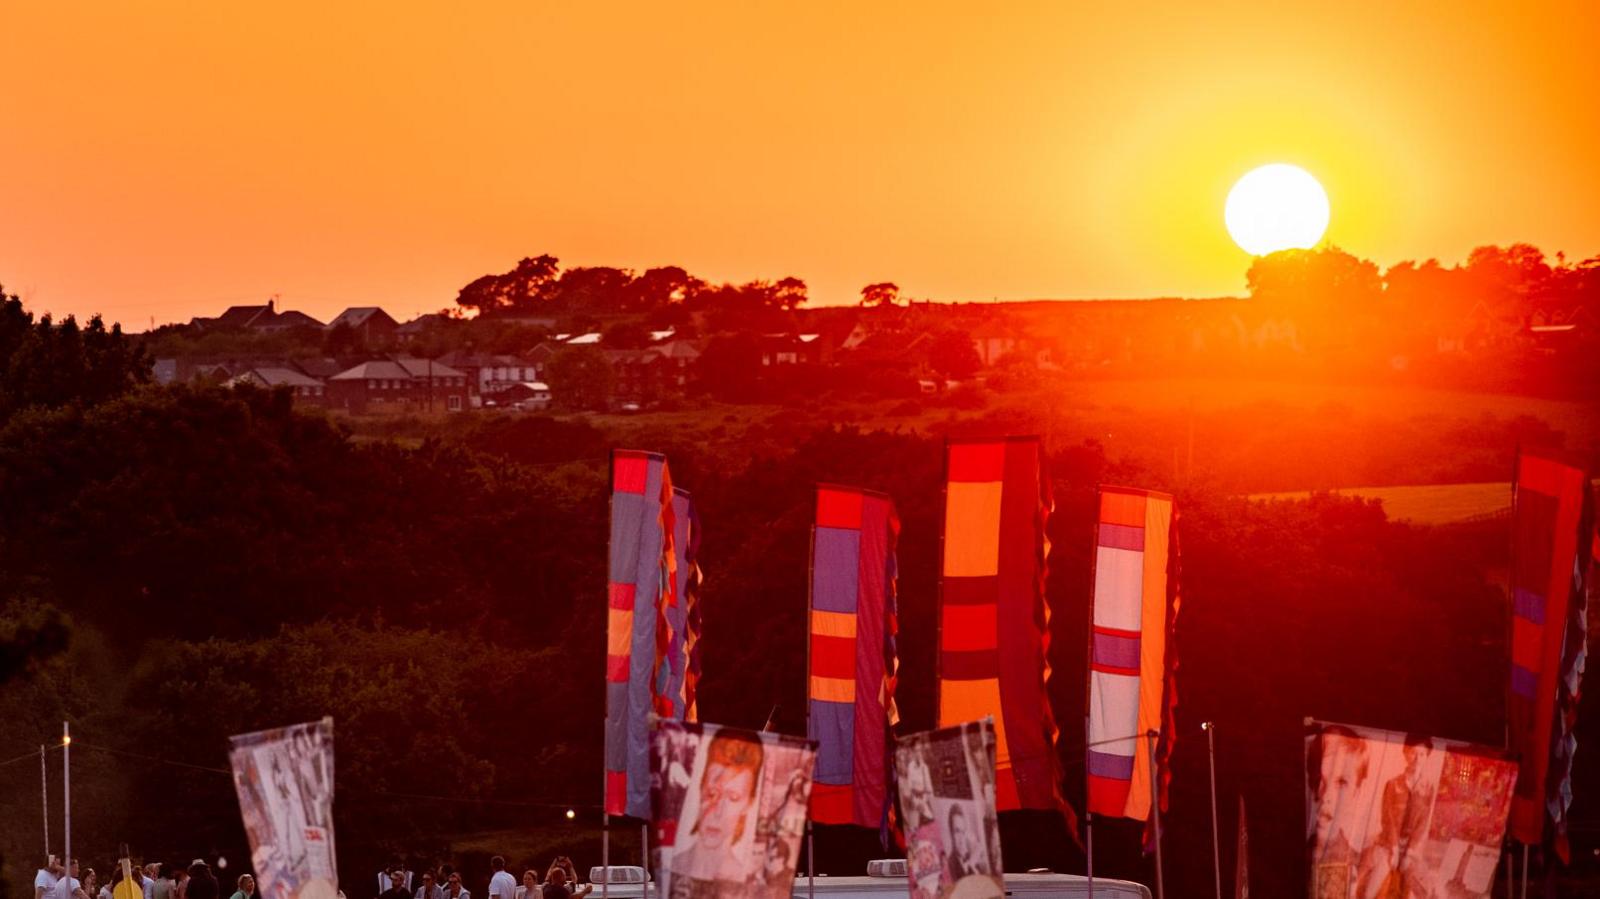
(883, 293)
(523, 289)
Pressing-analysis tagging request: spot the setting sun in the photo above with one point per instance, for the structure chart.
(1276, 207)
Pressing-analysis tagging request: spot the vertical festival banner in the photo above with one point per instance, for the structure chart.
(947, 796)
(728, 810)
(852, 654)
(1135, 606)
(284, 779)
(993, 620)
(678, 673)
(1396, 814)
(1552, 522)
(641, 580)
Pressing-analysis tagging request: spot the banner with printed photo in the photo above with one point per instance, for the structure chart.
(284, 778)
(947, 801)
(728, 810)
(1396, 814)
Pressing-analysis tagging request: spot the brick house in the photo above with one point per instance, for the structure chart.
(401, 384)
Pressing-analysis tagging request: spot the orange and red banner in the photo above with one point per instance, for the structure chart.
(993, 620)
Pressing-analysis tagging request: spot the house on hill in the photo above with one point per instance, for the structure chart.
(306, 390)
(400, 384)
(373, 324)
(488, 374)
(242, 318)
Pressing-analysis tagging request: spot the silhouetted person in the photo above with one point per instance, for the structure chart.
(202, 885)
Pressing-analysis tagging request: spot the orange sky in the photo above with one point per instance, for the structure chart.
(161, 160)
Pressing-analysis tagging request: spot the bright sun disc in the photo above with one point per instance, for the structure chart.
(1276, 207)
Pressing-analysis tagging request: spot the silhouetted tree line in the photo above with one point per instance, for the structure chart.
(538, 286)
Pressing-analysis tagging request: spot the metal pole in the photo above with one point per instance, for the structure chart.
(644, 850)
(605, 855)
(1211, 756)
(44, 789)
(811, 861)
(1155, 805)
(1088, 692)
(1524, 871)
(66, 801)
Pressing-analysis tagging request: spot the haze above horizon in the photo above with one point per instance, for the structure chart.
(165, 160)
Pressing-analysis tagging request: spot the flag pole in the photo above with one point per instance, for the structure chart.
(644, 851)
(44, 789)
(605, 782)
(1155, 805)
(66, 814)
(1524, 871)
(811, 599)
(1211, 757)
(1088, 695)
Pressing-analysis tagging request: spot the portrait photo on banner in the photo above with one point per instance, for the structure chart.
(284, 780)
(728, 810)
(1397, 814)
(947, 801)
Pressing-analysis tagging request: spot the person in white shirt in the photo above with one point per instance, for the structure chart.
(502, 885)
(47, 878)
(67, 886)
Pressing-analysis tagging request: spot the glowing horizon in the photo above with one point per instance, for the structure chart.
(168, 160)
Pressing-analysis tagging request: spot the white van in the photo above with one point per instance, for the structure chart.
(887, 880)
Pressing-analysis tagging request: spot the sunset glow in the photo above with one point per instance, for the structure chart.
(166, 160)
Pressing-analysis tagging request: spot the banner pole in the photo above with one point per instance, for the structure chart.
(44, 789)
(605, 855)
(1088, 694)
(1155, 806)
(66, 814)
(811, 862)
(1211, 757)
(1524, 871)
(644, 850)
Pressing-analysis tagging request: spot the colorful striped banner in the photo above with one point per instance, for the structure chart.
(1552, 520)
(852, 662)
(1128, 667)
(679, 664)
(993, 621)
(640, 585)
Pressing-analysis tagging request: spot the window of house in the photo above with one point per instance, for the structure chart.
(454, 402)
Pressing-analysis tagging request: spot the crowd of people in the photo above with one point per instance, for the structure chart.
(160, 880)
(560, 881)
(153, 880)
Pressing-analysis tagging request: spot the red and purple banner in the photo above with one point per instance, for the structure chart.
(641, 583)
(1552, 522)
(993, 620)
(851, 680)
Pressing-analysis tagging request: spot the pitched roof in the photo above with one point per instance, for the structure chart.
(319, 367)
(373, 370)
(244, 316)
(357, 316)
(422, 368)
(293, 319)
(593, 337)
(279, 377)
